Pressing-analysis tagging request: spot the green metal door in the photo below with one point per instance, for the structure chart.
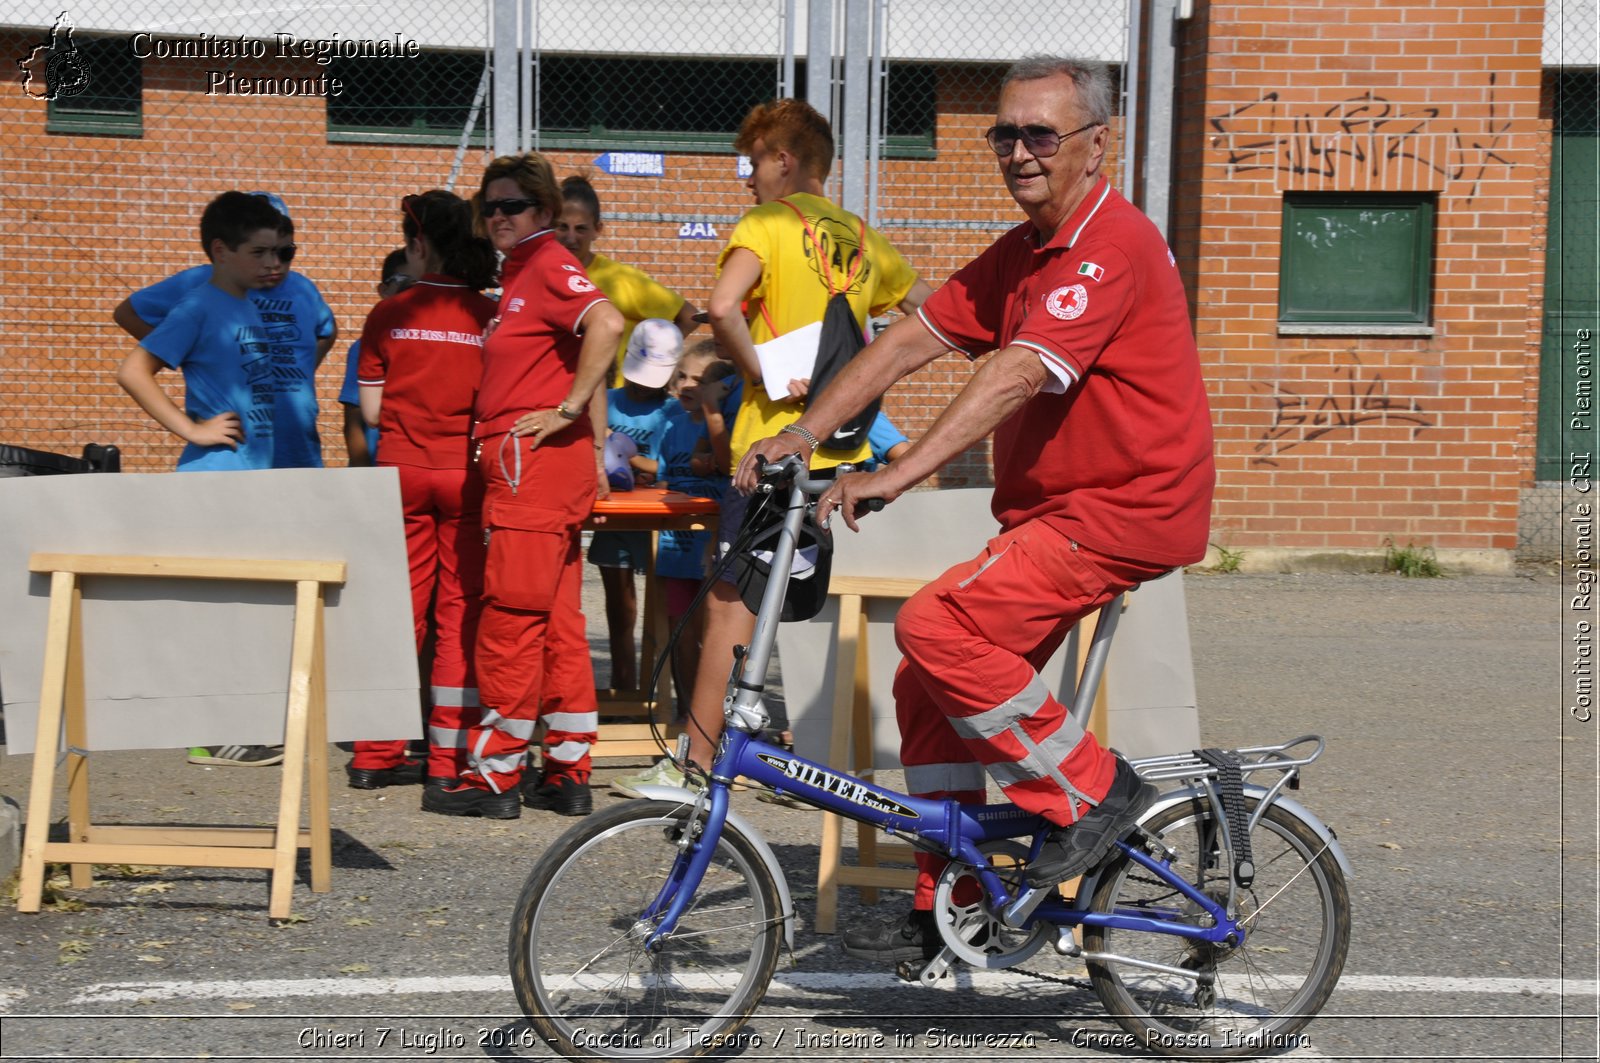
(1567, 365)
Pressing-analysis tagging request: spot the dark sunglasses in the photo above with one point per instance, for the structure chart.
(1041, 141)
(508, 207)
(399, 280)
(282, 254)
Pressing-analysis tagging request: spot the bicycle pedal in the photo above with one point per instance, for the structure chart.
(927, 973)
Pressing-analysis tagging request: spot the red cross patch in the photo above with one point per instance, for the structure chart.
(1068, 302)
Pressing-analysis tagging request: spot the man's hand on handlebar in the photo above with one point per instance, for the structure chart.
(765, 452)
(855, 495)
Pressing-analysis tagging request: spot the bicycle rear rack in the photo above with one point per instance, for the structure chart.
(1251, 758)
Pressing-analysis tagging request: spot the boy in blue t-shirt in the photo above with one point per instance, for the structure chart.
(635, 410)
(216, 336)
(300, 332)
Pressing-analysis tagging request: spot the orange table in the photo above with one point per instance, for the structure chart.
(654, 510)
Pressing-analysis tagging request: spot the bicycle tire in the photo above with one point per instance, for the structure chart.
(578, 966)
(1261, 998)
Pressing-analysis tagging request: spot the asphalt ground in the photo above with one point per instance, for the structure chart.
(1462, 790)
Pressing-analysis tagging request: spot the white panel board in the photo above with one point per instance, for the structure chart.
(173, 663)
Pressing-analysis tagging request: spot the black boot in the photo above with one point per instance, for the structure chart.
(914, 938)
(562, 794)
(464, 800)
(1076, 850)
(403, 774)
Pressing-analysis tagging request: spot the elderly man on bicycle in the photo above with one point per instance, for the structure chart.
(1103, 478)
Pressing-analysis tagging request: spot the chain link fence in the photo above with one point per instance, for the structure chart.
(121, 120)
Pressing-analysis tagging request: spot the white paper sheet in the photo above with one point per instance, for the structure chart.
(788, 357)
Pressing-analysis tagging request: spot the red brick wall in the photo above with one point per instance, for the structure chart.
(1455, 91)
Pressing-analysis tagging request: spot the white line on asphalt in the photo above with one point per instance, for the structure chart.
(113, 992)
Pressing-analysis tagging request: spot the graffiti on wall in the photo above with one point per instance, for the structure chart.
(1363, 142)
(1355, 397)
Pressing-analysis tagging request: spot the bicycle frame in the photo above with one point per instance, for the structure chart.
(949, 828)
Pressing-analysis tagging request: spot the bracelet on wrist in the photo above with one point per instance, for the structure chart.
(570, 415)
(804, 433)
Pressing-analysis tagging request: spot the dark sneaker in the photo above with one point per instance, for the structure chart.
(466, 800)
(236, 756)
(404, 774)
(914, 938)
(1076, 850)
(563, 795)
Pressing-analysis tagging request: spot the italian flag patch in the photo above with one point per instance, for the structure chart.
(1089, 269)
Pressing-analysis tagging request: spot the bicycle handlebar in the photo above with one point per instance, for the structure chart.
(790, 466)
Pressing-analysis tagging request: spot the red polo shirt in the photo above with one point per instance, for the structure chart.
(531, 355)
(1121, 460)
(424, 347)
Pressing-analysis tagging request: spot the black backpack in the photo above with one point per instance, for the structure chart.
(842, 338)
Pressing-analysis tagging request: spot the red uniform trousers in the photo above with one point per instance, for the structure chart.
(968, 694)
(533, 651)
(444, 545)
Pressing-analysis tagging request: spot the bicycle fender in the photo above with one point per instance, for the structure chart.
(1190, 793)
(1288, 804)
(683, 795)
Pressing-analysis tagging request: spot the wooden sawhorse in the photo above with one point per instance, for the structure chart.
(61, 701)
(850, 748)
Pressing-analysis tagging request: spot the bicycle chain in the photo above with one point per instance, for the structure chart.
(1074, 983)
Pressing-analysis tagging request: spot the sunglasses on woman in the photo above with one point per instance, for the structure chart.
(508, 207)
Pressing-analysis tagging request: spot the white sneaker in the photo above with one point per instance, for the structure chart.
(662, 773)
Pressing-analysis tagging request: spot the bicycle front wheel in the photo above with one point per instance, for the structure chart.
(578, 962)
(1296, 917)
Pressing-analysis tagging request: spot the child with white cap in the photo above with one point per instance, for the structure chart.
(635, 410)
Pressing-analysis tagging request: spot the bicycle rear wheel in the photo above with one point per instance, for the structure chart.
(578, 962)
(1296, 917)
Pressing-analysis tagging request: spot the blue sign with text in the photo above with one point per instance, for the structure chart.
(697, 230)
(633, 163)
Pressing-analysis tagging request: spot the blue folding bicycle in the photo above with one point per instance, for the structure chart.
(1217, 927)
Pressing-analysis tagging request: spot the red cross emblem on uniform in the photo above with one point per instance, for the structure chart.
(1067, 302)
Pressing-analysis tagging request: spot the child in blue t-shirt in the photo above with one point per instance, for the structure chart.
(636, 411)
(694, 460)
(886, 441)
(300, 332)
(360, 438)
(216, 337)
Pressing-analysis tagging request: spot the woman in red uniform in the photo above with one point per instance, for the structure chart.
(421, 360)
(546, 354)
